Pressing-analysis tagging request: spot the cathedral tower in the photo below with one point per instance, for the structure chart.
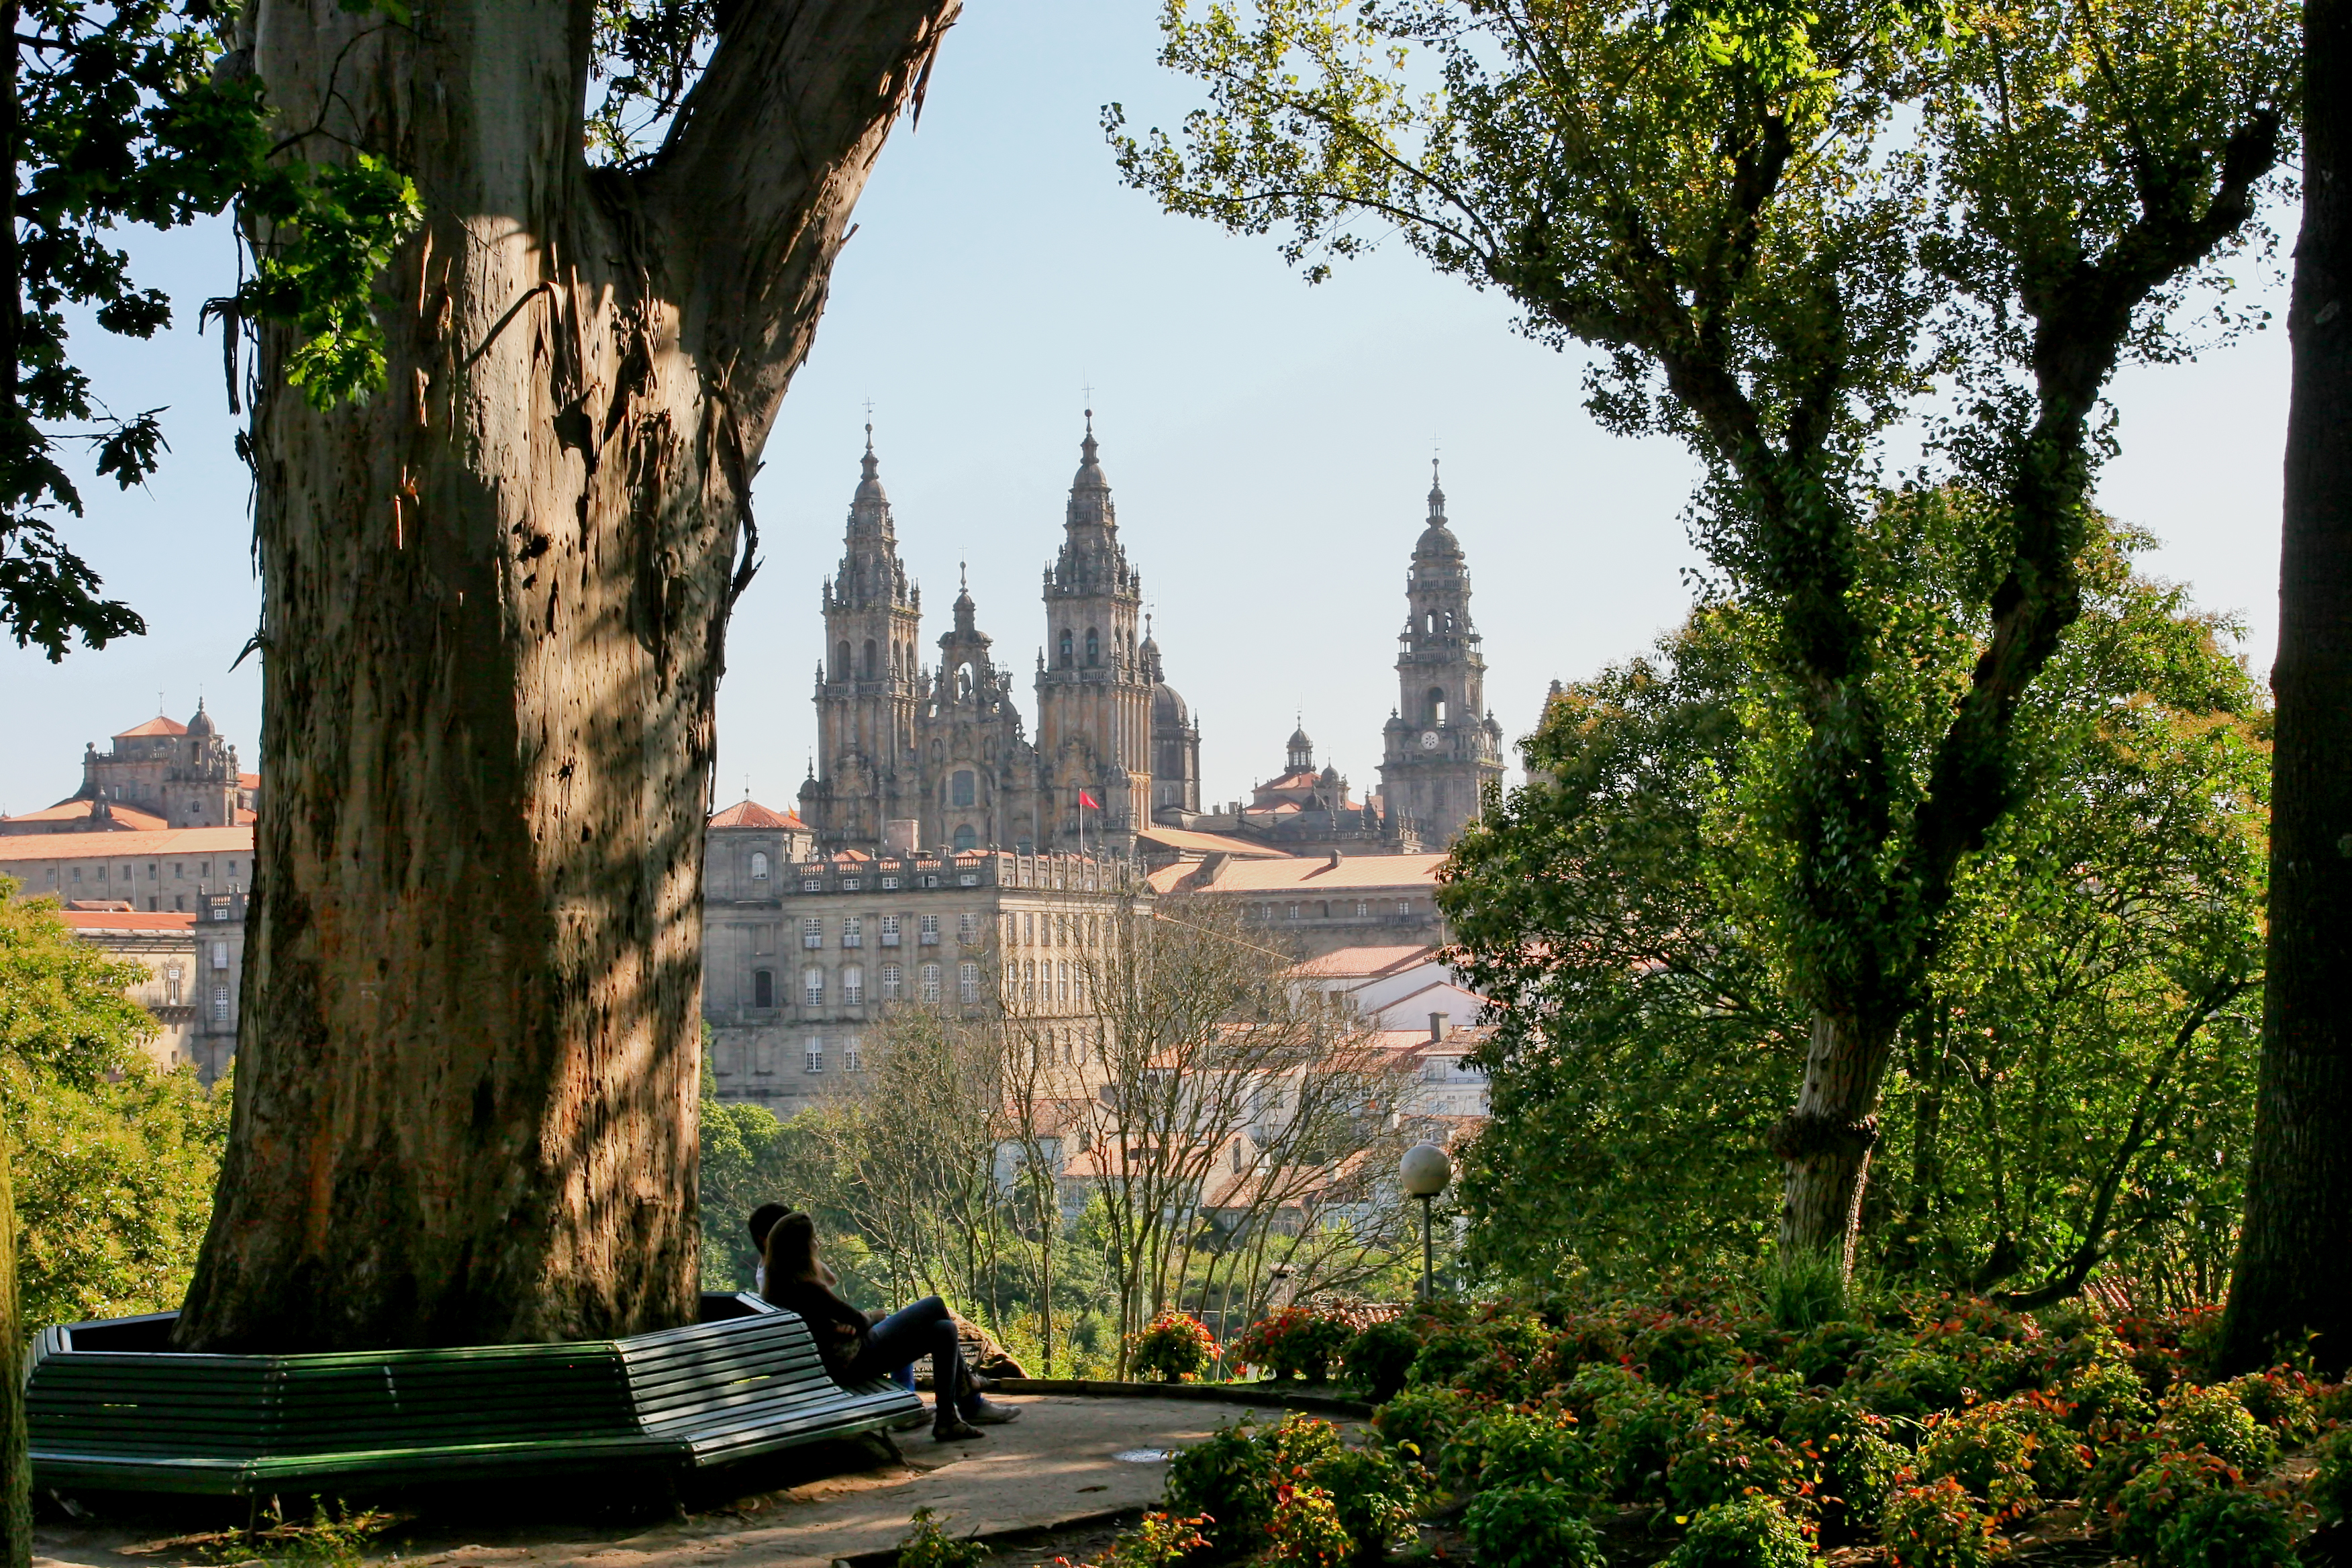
(1443, 746)
(1094, 696)
(869, 687)
(979, 773)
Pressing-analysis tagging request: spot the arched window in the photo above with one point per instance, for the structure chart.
(1449, 620)
(965, 839)
(1094, 646)
(812, 986)
(763, 988)
(841, 660)
(1437, 706)
(962, 789)
(870, 658)
(968, 982)
(890, 980)
(963, 680)
(758, 865)
(852, 985)
(1429, 624)
(1065, 648)
(930, 980)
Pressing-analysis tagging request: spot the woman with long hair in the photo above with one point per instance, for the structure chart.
(856, 1352)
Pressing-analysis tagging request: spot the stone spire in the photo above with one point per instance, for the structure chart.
(1437, 539)
(1089, 490)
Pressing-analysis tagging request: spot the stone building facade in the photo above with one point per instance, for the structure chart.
(153, 777)
(801, 968)
(194, 967)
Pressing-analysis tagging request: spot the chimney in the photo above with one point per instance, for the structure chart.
(1438, 1022)
(1334, 863)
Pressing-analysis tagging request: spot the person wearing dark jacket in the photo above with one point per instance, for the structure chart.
(856, 1352)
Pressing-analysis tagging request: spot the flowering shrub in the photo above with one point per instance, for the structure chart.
(1635, 1425)
(2194, 1510)
(1294, 1342)
(1376, 1496)
(2280, 1399)
(929, 1545)
(2212, 1420)
(1509, 1447)
(1175, 1346)
(1751, 1532)
(2009, 1453)
(1531, 1527)
(2330, 1488)
(1719, 1459)
(1157, 1540)
(1938, 1525)
(1306, 1531)
(1378, 1359)
(1416, 1423)
(1234, 1476)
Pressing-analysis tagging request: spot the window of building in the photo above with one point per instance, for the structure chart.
(170, 985)
(1065, 982)
(812, 986)
(1437, 706)
(1294, 912)
(77, 873)
(889, 930)
(812, 931)
(929, 934)
(852, 985)
(813, 1055)
(220, 956)
(1065, 649)
(967, 927)
(232, 870)
(220, 911)
(872, 662)
(853, 932)
(1405, 906)
(1362, 908)
(931, 982)
(758, 866)
(853, 1053)
(763, 988)
(1094, 646)
(851, 884)
(963, 788)
(841, 660)
(220, 1003)
(968, 982)
(1029, 931)
(889, 884)
(1029, 982)
(966, 840)
(890, 983)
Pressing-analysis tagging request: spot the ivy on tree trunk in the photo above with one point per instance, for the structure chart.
(495, 598)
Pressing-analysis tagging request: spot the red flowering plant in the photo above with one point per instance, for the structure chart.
(1176, 1347)
(1297, 1342)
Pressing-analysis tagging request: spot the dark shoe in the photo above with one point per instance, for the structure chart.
(954, 1429)
(988, 1412)
(908, 1423)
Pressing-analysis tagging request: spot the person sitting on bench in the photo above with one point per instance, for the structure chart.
(856, 1352)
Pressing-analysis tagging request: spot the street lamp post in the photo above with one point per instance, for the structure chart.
(1425, 1171)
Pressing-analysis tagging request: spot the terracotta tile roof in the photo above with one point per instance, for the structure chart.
(245, 818)
(751, 813)
(125, 846)
(1209, 843)
(127, 921)
(248, 780)
(128, 817)
(1300, 873)
(850, 855)
(158, 725)
(1367, 963)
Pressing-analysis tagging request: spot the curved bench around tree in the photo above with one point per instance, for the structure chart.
(109, 1406)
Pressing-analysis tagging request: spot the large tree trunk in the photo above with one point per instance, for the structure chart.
(495, 598)
(2295, 1258)
(1825, 1143)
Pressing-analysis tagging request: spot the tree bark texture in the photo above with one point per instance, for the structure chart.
(2294, 1274)
(1825, 1144)
(495, 599)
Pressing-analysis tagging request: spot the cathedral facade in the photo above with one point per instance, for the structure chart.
(937, 758)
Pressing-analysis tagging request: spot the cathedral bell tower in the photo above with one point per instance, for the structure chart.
(1442, 745)
(869, 687)
(1093, 693)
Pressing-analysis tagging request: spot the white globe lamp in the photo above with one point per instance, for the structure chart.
(1425, 1171)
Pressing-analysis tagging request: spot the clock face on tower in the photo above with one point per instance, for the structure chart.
(1429, 740)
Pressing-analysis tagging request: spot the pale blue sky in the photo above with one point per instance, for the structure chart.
(1268, 445)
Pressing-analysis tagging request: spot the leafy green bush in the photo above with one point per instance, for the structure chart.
(1510, 1447)
(1306, 1531)
(1635, 1426)
(2008, 1453)
(2282, 1400)
(1679, 1351)
(1746, 1533)
(1156, 1541)
(1381, 1358)
(1375, 1493)
(2212, 1418)
(2109, 1391)
(2330, 1487)
(1858, 1460)
(1235, 1476)
(1719, 1459)
(1506, 1357)
(1905, 1380)
(929, 1545)
(1418, 1422)
(2195, 1510)
(1296, 1341)
(1175, 1346)
(1825, 1354)
(1938, 1525)
(1804, 1290)
(1531, 1527)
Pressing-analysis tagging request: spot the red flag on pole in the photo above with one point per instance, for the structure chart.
(1089, 802)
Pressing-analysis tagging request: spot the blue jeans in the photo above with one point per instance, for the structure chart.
(905, 1337)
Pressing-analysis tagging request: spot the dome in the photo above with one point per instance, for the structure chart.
(1330, 773)
(1298, 741)
(202, 724)
(1437, 539)
(1168, 709)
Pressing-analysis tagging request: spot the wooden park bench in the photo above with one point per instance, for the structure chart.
(111, 1406)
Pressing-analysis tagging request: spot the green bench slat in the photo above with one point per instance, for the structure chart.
(745, 1381)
